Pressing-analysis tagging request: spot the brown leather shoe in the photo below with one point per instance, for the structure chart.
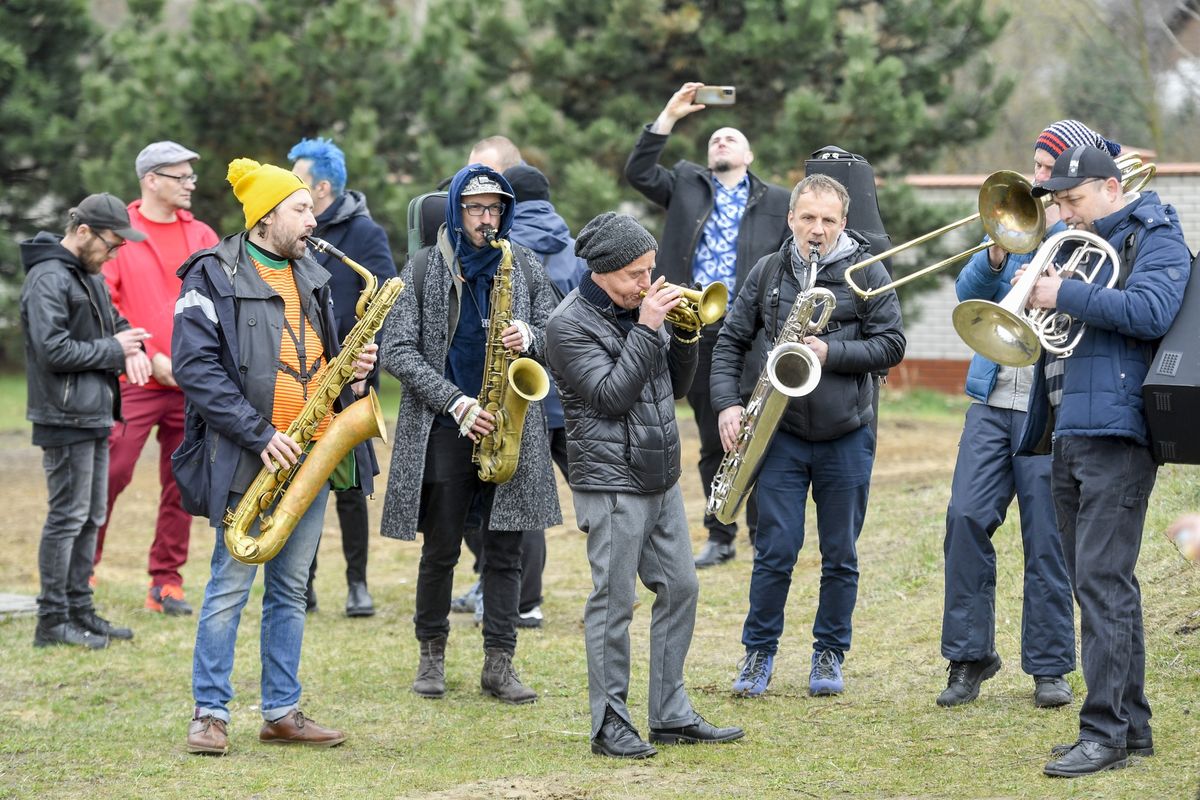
(295, 728)
(207, 735)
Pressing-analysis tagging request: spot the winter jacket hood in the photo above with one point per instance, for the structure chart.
(350, 205)
(539, 227)
(47, 247)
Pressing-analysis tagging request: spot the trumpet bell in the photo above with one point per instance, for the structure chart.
(1011, 215)
(712, 302)
(996, 333)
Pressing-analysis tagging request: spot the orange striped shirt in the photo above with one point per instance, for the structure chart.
(290, 393)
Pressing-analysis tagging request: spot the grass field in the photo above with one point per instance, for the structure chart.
(111, 724)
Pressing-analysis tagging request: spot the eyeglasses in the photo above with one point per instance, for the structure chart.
(477, 210)
(191, 177)
(112, 248)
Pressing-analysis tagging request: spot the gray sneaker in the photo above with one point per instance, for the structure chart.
(1051, 691)
(466, 603)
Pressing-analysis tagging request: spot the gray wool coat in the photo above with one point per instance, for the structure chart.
(413, 347)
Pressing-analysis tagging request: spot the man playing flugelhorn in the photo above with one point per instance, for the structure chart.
(436, 342)
(254, 330)
(825, 439)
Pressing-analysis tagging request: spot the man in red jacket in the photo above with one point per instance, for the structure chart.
(144, 288)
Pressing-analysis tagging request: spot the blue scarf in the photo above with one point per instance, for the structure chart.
(465, 358)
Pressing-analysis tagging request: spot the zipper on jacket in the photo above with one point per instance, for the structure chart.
(67, 389)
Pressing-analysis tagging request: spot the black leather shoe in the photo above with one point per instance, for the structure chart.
(1051, 692)
(100, 626)
(618, 739)
(962, 685)
(358, 601)
(1135, 746)
(701, 731)
(715, 553)
(1087, 758)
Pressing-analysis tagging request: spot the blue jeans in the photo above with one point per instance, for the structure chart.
(839, 472)
(282, 634)
(77, 483)
(986, 477)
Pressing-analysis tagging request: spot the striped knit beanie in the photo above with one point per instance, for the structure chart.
(1067, 133)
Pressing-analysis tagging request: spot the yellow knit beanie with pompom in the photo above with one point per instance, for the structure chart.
(260, 187)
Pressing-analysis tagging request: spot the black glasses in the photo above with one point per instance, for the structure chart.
(477, 210)
(112, 248)
(191, 177)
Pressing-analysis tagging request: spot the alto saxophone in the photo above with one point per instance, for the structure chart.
(291, 490)
(509, 382)
(792, 370)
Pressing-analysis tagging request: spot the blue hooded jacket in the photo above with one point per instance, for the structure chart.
(1102, 380)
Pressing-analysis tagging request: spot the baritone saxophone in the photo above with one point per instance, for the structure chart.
(792, 370)
(280, 498)
(510, 382)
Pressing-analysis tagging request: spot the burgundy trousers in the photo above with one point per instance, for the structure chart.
(143, 409)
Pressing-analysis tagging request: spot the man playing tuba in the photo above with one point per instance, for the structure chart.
(437, 343)
(254, 329)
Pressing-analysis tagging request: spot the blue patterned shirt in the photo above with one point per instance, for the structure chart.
(716, 252)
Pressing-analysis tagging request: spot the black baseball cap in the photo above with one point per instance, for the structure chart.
(107, 213)
(1078, 165)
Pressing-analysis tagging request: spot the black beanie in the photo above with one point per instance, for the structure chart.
(613, 241)
(528, 183)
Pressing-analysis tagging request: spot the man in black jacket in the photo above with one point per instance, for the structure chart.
(720, 221)
(76, 344)
(619, 372)
(825, 439)
(344, 221)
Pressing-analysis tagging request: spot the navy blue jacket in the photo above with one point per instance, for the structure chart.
(1102, 380)
(347, 225)
(226, 345)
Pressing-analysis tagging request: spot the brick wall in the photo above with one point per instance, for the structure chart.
(935, 357)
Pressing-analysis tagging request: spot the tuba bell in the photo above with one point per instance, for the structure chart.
(1013, 335)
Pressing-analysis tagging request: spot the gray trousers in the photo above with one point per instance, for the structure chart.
(632, 536)
(77, 480)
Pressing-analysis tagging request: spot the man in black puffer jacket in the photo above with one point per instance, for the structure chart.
(620, 372)
(825, 439)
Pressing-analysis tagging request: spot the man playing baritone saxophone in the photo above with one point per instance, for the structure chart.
(254, 328)
(436, 341)
(824, 440)
(620, 372)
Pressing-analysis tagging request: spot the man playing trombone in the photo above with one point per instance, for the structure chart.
(1102, 469)
(824, 440)
(986, 478)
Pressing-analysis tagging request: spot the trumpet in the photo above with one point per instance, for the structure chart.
(1012, 335)
(1012, 217)
(699, 307)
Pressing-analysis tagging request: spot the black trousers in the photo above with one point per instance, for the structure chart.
(711, 452)
(352, 517)
(1102, 487)
(449, 489)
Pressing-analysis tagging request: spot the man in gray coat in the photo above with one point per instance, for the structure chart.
(435, 341)
(620, 372)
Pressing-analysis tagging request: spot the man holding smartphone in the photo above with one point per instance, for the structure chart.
(721, 219)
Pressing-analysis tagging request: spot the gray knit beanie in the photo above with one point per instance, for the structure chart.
(613, 241)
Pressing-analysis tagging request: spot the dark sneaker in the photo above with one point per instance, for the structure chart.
(100, 626)
(1087, 758)
(67, 633)
(825, 677)
(754, 674)
(965, 678)
(1051, 691)
(466, 603)
(701, 731)
(715, 553)
(618, 739)
(207, 735)
(529, 619)
(168, 600)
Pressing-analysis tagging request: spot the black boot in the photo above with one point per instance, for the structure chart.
(431, 670)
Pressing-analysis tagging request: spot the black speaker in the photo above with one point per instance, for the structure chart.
(1171, 390)
(855, 173)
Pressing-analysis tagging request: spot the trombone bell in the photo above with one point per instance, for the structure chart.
(996, 333)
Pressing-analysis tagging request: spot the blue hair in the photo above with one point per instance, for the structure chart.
(328, 161)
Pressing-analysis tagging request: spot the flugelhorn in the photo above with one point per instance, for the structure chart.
(699, 307)
(1013, 335)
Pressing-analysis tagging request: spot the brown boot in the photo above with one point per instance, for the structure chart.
(207, 735)
(500, 680)
(431, 670)
(295, 728)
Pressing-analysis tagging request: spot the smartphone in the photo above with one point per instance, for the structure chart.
(716, 95)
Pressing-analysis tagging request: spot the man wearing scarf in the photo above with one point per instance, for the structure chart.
(825, 439)
(435, 342)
